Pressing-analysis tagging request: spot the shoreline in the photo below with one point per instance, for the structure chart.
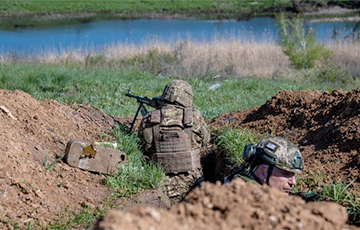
(39, 20)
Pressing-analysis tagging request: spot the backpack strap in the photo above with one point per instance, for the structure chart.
(155, 122)
(188, 121)
(155, 116)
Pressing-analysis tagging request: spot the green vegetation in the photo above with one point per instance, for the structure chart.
(144, 7)
(25, 13)
(84, 218)
(50, 166)
(137, 174)
(105, 88)
(300, 45)
(335, 191)
(233, 142)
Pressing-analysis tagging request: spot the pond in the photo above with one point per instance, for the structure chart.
(95, 35)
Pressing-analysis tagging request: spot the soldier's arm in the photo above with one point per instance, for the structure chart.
(200, 128)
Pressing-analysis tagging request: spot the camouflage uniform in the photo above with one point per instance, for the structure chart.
(273, 151)
(173, 136)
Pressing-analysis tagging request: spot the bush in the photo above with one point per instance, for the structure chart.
(300, 45)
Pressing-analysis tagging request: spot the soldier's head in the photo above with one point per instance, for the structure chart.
(178, 92)
(274, 161)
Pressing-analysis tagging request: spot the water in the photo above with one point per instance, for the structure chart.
(97, 34)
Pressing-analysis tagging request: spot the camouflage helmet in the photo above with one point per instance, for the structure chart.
(178, 91)
(276, 151)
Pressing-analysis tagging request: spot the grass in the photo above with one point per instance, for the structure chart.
(50, 165)
(233, 142)
(137, 174)
(35, 13)
(84, 218)
(105, 88)
(318, 189)
(127, 7)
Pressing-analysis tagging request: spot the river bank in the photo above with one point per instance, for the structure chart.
(32, 13)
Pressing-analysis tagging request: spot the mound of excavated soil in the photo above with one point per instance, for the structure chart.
(324, 125)
(30, 129)
(237, 205)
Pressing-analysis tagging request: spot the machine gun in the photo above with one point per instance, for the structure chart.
(156, 102)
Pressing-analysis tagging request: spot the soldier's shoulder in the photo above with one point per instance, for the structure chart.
(196, 112)
(246, 178)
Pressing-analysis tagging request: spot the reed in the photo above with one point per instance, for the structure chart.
(185, 58)
(347, 56)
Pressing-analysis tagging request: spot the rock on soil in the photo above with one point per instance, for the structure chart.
(30, 130)
(236, 205)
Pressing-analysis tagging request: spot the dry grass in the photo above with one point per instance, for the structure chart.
(185, 58)
(347, 56)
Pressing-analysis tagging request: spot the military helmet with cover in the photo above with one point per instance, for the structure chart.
(179, 92)
(275, 151)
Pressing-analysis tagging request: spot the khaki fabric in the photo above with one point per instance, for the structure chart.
(178, 92)
(186, 123)
(200, 132)
(288, 156)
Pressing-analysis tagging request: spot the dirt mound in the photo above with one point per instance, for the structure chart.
(324, 125)
(30, 130)
(236, 205)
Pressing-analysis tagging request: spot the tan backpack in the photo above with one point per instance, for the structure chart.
(171, 128)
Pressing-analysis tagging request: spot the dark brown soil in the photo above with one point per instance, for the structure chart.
(324, 125)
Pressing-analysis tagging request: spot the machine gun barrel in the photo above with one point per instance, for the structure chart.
(156, 102)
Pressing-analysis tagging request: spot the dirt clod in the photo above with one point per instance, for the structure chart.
(236, 205)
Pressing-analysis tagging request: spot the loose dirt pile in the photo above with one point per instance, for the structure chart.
(237, 205)
(30, 130)
(324, 125)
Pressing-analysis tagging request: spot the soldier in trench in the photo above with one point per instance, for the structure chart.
(174, 136)
(273, 161)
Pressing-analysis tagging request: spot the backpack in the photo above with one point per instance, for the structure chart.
(172, 139)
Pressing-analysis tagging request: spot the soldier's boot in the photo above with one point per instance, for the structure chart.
(92, 157)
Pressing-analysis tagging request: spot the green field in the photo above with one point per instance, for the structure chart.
(36, 13)
(18, 7)
(105, 88)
